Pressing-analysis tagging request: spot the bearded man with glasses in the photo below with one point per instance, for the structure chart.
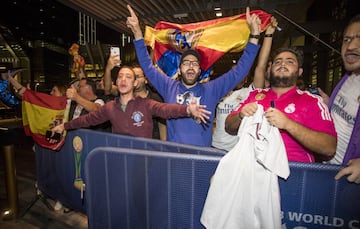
(188, 88)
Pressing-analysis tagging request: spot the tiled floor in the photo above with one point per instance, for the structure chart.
(38, 216)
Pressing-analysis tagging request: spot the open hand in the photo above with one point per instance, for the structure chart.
(199, 113)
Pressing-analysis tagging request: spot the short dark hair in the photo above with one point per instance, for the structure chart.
(91, 83)
(293, 50)
(128, 67)
(135, 65)
(61, 87)
(190, 52)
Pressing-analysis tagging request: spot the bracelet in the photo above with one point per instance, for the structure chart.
(268, 35)
(255, 36)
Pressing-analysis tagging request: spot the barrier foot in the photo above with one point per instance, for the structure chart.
(39, 196)
(8, 214)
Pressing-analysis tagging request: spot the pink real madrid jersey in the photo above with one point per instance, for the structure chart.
(307, 109)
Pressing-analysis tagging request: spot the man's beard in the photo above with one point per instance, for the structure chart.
(282, 81)
(188, 82)
(140, 87)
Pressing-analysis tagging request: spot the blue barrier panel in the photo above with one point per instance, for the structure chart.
(58, 171)
(311, 198)
(129, 188)
(55, 171)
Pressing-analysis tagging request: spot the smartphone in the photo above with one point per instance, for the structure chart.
(56, 136)
(48, 134)
(314, 90)
(115, 52)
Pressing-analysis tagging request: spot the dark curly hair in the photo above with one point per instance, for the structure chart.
(354, 19)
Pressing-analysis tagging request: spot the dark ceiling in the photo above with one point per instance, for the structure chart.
(40, 20)
(48, 20)
(56, 21)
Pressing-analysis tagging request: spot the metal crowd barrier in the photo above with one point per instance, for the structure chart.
(145, 183)
(61, 173)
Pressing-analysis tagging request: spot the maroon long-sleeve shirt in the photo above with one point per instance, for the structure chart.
(136, 120)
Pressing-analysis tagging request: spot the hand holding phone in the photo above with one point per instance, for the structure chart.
(56, 136)
(115, 53)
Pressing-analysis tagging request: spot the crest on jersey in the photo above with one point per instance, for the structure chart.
(137, 116)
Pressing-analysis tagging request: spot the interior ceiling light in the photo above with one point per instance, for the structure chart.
(218, 14)
(180, 15)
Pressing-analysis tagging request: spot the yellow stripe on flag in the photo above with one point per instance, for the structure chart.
(234, 38)
(40, 118)
(40, 113)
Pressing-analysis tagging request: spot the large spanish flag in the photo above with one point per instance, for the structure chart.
(41, 112)
(211, 39)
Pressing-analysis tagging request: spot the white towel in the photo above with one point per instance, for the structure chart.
(244, 192)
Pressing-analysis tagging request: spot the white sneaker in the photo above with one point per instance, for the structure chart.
(58, 206)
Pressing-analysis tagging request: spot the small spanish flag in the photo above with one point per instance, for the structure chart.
(212, 39)
(40, 113)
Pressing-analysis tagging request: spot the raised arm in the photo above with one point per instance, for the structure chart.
(260, 70)
(88, 105)
(108, 83)
(133, 23)
(9, 76)
(254, 23)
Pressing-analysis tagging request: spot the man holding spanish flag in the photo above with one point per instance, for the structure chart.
(186, 130)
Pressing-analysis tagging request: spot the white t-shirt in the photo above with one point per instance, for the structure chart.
(343, 111)
(78, 109)
(220, 138)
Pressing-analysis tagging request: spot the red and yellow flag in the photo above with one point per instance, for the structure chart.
(41, 112)
(211, 39)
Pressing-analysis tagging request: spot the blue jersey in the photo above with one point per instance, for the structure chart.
(186, 130)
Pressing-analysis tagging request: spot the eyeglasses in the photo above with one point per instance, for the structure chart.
(194, 63)
(139, 76)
